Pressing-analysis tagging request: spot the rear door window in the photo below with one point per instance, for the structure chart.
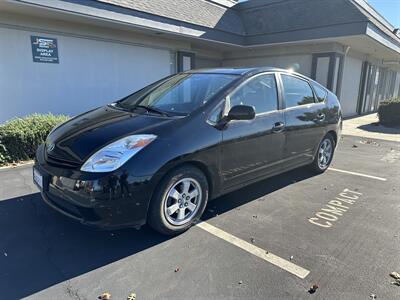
(296, 91)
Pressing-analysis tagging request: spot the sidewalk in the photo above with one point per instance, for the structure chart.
(362, 126)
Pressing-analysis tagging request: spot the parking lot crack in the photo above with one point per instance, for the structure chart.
(73, 293)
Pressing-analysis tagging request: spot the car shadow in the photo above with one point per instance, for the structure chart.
(40, 248)
(255, 191)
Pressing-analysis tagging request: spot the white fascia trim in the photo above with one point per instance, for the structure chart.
(381, 39)
(375, 14)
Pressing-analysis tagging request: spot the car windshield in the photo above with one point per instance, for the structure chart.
(180, 94)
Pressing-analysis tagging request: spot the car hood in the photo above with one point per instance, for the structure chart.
(81, 136)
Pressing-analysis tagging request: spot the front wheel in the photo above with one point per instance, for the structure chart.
(324, 155)
(179, 201)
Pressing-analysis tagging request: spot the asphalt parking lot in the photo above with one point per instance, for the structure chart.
(274, 239)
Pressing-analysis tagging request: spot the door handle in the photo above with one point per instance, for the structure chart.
(278, 127)
(321, 117)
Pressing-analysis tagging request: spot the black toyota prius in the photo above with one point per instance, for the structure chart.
(159, 154)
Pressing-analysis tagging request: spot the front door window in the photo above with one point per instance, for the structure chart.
(259, 92)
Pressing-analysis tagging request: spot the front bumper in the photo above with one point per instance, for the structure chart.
(112, 200)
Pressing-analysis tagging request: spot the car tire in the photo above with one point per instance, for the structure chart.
(324, 155)
(179, 201)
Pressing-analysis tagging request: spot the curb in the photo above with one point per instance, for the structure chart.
(22, 164)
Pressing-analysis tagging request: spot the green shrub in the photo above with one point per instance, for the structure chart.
(389, 112)
(20, 137)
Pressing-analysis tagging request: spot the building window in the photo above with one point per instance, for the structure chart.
(327, 70)
(378, 84)
(322, 70)
(186, 61)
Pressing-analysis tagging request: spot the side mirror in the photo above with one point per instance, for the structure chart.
(241, 112)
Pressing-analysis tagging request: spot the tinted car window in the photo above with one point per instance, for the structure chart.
(296, 91)
(320, 92)
(180, 94)
(216, 113)
(259, 92)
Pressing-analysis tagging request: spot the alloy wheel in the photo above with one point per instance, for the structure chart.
(182, 201)
(325, 152)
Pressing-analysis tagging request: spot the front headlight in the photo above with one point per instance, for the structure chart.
(114, 155)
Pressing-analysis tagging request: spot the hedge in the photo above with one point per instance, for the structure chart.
(20, 137)
(389, 112)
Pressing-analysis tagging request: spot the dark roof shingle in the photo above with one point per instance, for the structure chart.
(298, 14)
(198, 12)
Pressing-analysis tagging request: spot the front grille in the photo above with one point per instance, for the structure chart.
(61, 162)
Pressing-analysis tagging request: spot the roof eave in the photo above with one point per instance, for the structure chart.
(375, 33)
(138, 19)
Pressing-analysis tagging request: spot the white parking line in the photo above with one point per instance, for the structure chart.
(269, 257)
(358, 174)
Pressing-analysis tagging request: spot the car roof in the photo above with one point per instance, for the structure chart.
(242, 71)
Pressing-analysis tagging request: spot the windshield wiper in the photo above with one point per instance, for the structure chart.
(151, 109)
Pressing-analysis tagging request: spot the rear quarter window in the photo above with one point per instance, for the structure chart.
(320, 92)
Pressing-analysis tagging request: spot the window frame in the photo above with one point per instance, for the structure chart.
(333, 56)
(153, 86)
(313, 84)
(283, 90)
(180, 58)
(220, 106)
(227, 104)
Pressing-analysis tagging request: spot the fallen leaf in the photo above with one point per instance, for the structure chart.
(313, 288)
(105, 296)
(131, 296)
(397, 282)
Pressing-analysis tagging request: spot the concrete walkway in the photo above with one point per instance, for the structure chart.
(363, 127)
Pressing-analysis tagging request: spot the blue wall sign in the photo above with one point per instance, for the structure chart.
(44, 49)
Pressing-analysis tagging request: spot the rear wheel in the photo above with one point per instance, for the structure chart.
(179, 201)
(324, 155)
